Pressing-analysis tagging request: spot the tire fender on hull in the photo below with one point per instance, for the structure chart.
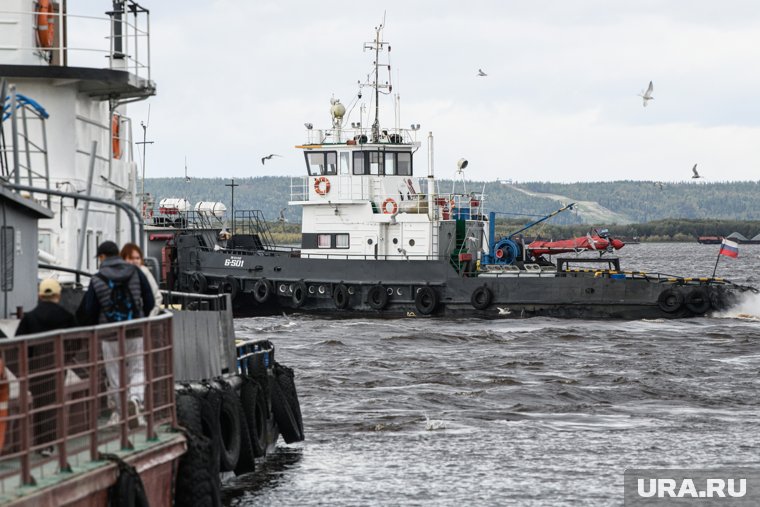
(340, 296)
(377, 297)
(670, 300)
(481, 298)
(426, 300)
(698, 301)
(300, 293)
(262, 290)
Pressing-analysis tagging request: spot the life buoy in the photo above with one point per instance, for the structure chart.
(394, 206)
(262, 289)
(481, 298)
(340, 296)
(426, 300)
(115, 136)
(45, 26)
(377, 297)
(4, 396)
(670, 300)
(299, 294)
(318, 188)
(697, 301)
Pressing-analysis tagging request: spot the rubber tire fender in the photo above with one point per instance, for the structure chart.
(285, 377)
(426, 300)
(698, 301)
(262, 290)
(128, 491)
(340, 296)
(198, 482)
(198, 283)
(283, 415)
(481, 298)
(229, 425)
(377, 297)
(255, 413)
(300, 293)
(229, 285)
(670, 300)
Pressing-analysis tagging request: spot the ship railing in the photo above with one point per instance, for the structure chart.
(126, 35)
(59, 392)
(361, 135)
(382, 257)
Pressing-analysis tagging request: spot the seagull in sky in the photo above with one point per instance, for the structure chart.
(269, 157)
(647, 95)
(696, 174)
(481, 73)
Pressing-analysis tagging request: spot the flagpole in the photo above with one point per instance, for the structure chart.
(716, 263)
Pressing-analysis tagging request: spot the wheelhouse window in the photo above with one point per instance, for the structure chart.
(341, 241)
(345, 162)
(376, 162)
(359, 162)
(320, 163)
(389, 163)
(324, 241)
(404, 164)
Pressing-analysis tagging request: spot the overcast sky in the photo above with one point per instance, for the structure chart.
(238, 79)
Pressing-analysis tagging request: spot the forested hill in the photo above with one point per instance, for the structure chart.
(600, 202)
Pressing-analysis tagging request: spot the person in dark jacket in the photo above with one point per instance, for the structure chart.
(48, 315)
(95, 309)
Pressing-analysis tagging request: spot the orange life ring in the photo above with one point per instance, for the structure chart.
(115, 137)
(318, 185)
(394, 206)
(45, 25)
(4, 396)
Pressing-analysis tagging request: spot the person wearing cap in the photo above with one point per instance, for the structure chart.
(92, 310)
(48, 315)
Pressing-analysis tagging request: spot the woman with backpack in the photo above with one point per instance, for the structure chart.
(133, 254)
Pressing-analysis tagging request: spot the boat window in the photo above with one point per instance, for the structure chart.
(390, 163)
(344, 162)
(341, 241)
(6, 257)
(359, 162)
(323, 241)
(319, 163)
(404, 164)
(375, 162)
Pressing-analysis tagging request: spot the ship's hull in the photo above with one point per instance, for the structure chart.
(270, 282)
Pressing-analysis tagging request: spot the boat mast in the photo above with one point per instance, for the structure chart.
(378, 46)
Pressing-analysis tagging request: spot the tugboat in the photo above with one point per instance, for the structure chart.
(376, 240)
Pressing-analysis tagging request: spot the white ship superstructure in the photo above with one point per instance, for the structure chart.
(65, 126)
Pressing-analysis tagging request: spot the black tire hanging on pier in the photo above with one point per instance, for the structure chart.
(698, 301)
(287, 412)
(198, 283)
(426, 300)
(377, 297)
(198, 482)
(481, 298)
(262, 289)
(128, 491)
(255, 415)
(300, 293)
(670, 300)
(229, 425)
(229, 285)
(340, 296)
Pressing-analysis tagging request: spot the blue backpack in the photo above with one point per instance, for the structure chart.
(121, 304)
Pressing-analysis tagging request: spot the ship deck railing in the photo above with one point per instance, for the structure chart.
(361, 135)
(59, 403)
(126, 36)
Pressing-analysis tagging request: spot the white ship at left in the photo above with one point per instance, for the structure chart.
(66, 140)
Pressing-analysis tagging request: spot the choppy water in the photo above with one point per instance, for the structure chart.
(517, 412)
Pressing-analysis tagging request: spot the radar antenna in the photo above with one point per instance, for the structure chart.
(378, 45)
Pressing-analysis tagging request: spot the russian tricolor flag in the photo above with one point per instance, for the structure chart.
(729, 248)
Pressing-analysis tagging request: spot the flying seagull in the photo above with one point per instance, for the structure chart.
(647, 95)
(694, 170)
(282, 215)
(481, 73)
(268, 157)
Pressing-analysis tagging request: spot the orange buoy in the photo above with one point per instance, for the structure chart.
(115, 137)
(4, 395)
(45, 26)
(318, 188)
(393, 209)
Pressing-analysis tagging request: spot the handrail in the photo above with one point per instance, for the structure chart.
(57, 397)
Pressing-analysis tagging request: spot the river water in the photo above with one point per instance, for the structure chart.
(513, 412)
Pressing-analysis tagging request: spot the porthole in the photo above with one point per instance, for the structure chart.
(369, 241)
(395, 241)
(411, 242)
